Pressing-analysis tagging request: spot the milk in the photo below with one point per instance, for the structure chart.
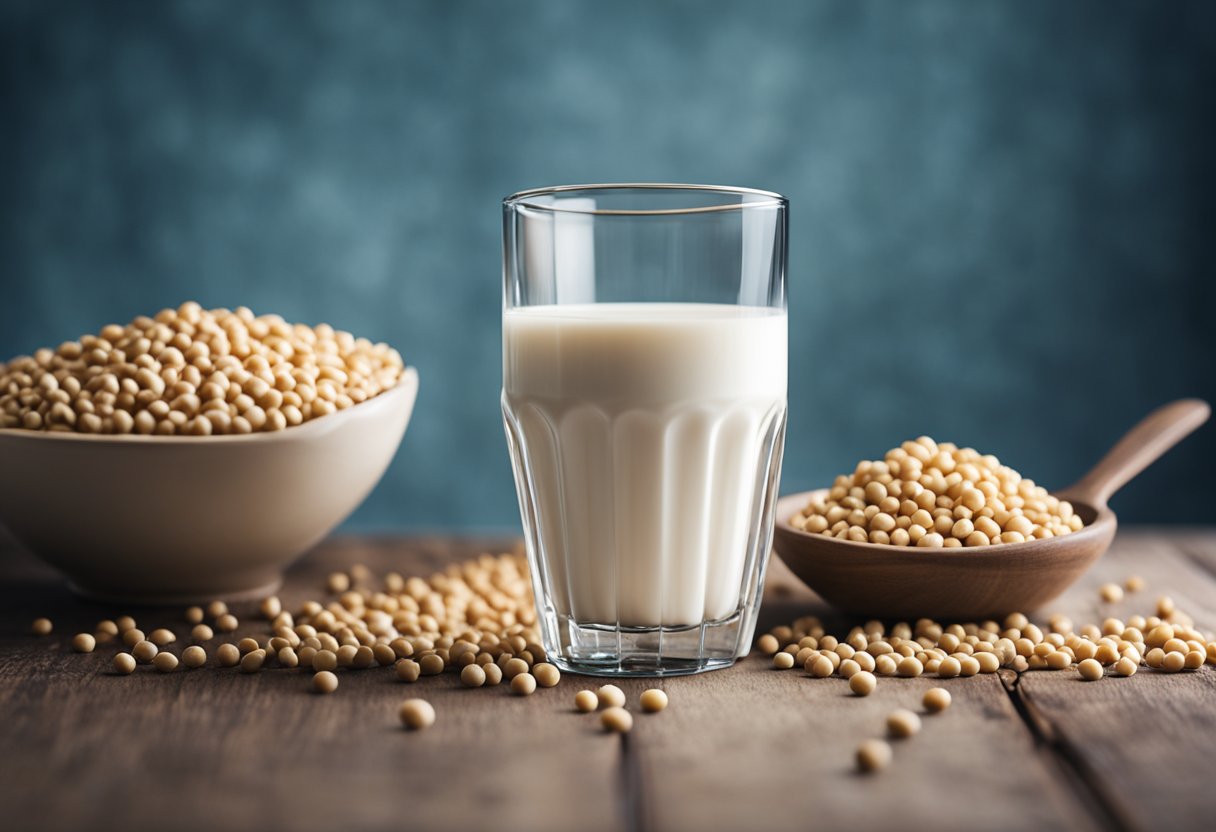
(642, 437)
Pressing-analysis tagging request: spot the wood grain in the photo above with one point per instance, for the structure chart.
(216, 749)
(1196, 544)
(758, 748)
(747, 748)
(1142, 745)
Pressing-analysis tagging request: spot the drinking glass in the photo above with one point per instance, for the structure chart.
(644, 385)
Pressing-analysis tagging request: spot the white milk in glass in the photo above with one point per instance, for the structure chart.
(644, 429)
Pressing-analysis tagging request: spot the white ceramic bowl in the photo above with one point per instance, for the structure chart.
(167, 519)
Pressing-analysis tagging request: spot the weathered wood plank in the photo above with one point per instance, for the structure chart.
(1142, 744)
(1171, 563)
(1196, 543)
(752, 748)
(215, 749)
(744, 748)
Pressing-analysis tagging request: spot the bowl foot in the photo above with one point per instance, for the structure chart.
(114, 594)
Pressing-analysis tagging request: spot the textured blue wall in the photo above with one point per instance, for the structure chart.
(1002, 213)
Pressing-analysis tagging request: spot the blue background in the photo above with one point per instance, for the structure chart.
(1001, 227)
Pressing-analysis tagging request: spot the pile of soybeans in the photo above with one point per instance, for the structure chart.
(194, 372)
(936, 495)
(1167, 642)
(475, 619)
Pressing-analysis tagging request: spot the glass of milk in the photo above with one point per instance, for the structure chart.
(644, 384)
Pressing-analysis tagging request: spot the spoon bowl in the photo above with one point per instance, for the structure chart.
(907, 582)
(884, 581)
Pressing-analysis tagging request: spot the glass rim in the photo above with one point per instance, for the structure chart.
(524, 199)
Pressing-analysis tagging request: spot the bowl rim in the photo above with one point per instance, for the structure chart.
(1103, 517)
(407, 382)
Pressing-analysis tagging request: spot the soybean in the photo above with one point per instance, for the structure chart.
(547, 675)
(194, 656)
(862, 683)
(160, 637)
(653, 700)
(616, 720)
(417, 714)
(936, 700)
(873, 755)
(610, 696)
(819, 666)
(472, 676)
(252, 662)
(524, 684)
(144, 652)
(902, 723)
(1090, 670)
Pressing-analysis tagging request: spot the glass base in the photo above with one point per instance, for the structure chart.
(607, 650)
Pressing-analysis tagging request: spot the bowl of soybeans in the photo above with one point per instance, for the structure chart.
(195, 453)
(935, 529)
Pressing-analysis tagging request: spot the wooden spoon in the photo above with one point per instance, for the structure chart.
(970, 584)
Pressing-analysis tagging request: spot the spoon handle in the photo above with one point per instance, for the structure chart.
(1140, 447)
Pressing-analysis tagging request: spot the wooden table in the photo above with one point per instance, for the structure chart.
(746, 748)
